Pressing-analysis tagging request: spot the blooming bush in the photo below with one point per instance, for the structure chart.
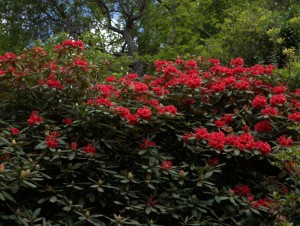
(196, 143)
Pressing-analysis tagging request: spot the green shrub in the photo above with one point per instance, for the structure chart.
(185, 146)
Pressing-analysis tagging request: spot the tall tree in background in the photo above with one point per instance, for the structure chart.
(122, 17)
(158, 28)
(25, 21)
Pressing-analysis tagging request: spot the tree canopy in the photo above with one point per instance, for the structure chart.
(255, 30)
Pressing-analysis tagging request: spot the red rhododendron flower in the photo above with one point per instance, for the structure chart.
(219, 123)
(227, 118)
(186, 136)
(132, 118)
(285, 141)
(277, 99)
(168, 109)
(67, 121)
(294, 117)
(269, 111)
(166, 165)
(279, 89)
(259, 102)
(242, 189)
(263, 147)
(150, 201)
(74, 146)
(214, 61)
(262, 202)
(218, 87)
(213, 161)
(34, 119)
(14, 131)
(263, 126)
(144, 113)
(122, 111)
(89, 149)
(146, 144)
(237, 62)
(242, 85)
(140, 87)
(191, 64)
(51, 139)
(217, 140)
(111, 79)
(170, 71)
(201, 133)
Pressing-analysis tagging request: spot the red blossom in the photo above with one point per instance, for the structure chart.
(271, 111)
(263, 147)
(285, 141)
(150, 201)
(168, 109)
(294, 117)
(34, 119)
(213, 161)
(242, 85)
(217, 140)
(51, 139)
(90, 149)
(237, 62)
(166, 165)
(263, 126)
(74, 146)
(132, 118)
(277, 99)
(144, 113)
(186, 136)
(201, 133)
(14, 131)
(242, 189)
(146, 144)
(67, 121)
(259, 102)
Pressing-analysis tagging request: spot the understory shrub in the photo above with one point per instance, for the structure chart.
(195, 143)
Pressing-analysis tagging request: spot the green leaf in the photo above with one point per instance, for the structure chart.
(148, 210)
(53, 199)
(8, 196)
(29, 184)
(2, 197)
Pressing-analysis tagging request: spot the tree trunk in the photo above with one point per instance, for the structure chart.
(138, 66)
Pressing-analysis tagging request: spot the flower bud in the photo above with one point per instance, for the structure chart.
(2, 168)
(130, 176)
(87, 213)
(181, 173)
(118, 217)
(37, 167)
(148, 177)
(13, 142)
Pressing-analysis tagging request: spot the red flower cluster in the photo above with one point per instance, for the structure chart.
(90, 149)
(259, 102)
(34, 119)
(166, 165)
(51, 139)
(70, 44)
(242, 189)
(67, 121)
(263, 126)
(285, 141)
(14, 131)
(146, 144)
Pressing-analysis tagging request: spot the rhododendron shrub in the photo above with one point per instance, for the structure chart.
(195, 142)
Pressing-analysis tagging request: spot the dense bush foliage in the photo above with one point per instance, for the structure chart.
(196, 143)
